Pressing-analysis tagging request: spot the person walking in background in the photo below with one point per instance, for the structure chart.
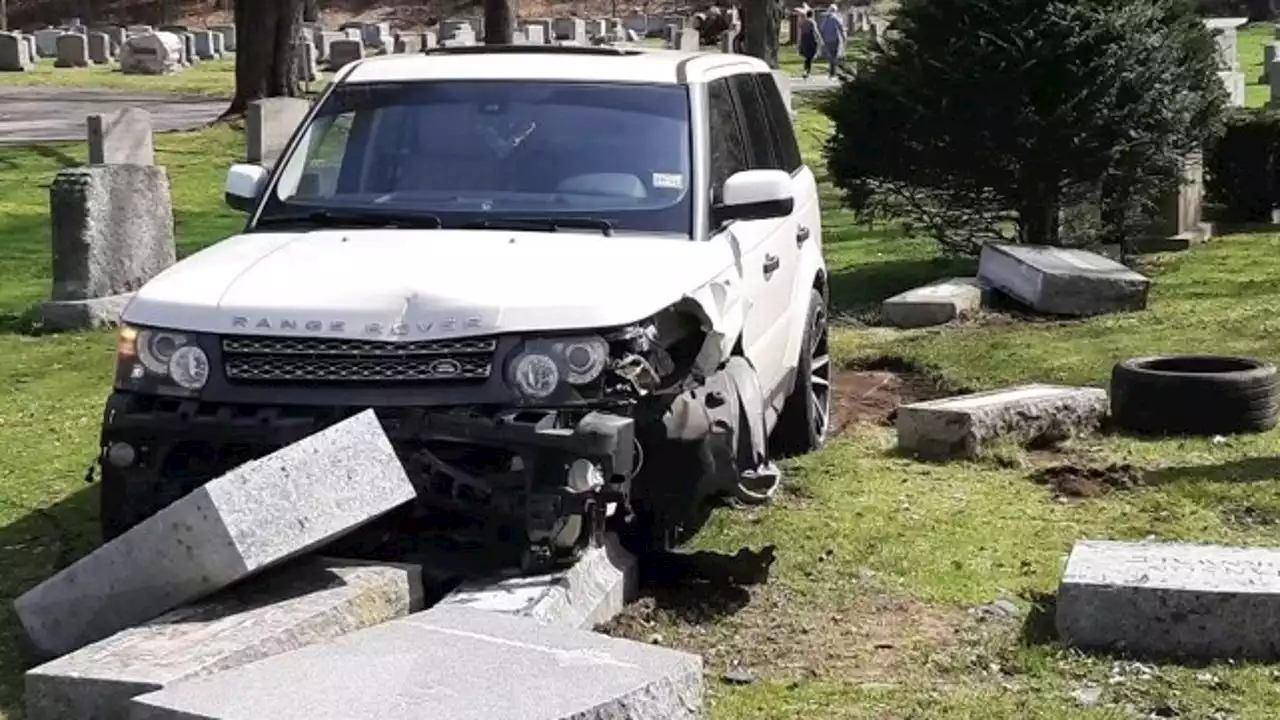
(807, 40)
(832, 35)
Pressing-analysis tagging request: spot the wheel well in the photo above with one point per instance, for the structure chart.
(820, 283)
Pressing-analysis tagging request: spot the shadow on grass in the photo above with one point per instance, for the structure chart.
(1246, 470)
(1039, 628)
(56, 154)
(703, 586)
(863, 286)
(35, 546)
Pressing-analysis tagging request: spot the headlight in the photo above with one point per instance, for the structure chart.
(542, 364)
(173, 357)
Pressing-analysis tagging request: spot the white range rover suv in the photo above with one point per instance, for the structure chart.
(583, 287)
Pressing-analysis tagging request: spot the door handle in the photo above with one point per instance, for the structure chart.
(802, 234)
(771, 263)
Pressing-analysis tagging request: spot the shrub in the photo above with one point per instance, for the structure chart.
(1242, 169)
(983, 119)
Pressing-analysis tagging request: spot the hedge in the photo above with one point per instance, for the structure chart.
(1242, 170)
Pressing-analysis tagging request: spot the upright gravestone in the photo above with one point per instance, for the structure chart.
(408, 43)
(689, 40)
(376, 36)
(124, 138)
(430, 40)
(269, 124)
(535, 34)
(47, 42)
(728, 40)
(1225, 31)
(304, 57)
(32, 51)
(100, 50)
(14, 54)
(324, 41)
(204, 45)
(219, 43)
(573, 29)
(229, 36)
(344, 52)
(73, 51)
(99, 257)
(1268, 57)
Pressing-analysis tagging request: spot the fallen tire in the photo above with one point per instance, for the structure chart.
(1194, 395)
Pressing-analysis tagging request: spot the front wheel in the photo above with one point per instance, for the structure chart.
(806, 417)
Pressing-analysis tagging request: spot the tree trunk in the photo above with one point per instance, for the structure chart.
(311, 11)
(499, 21)
(761, 24)
(1038, 218)
(264, 53)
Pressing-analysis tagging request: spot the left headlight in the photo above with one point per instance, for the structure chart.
(540, 367)
(147, 355)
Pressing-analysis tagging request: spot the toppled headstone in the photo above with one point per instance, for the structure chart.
(258, 515)
(15, 54)
(73, 51)
(1171, 600)
(310, 601)
(269, 123)
(124, 138)
(588, 594)
(933, 304)
(454, 663)
(98, 260)
(959, 427)
(1062, 281)
(151, 54)
(345, 52)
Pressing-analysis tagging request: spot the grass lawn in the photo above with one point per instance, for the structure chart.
(880, 559)
(211, 78)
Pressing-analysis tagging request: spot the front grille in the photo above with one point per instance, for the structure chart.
(249, 359)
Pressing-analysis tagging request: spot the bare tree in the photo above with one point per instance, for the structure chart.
(499, 21)
(761, 24)
(267, 30)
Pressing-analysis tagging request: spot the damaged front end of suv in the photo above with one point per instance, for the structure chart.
(535, 444)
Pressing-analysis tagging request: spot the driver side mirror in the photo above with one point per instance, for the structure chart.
(754, 195)
(245, 184)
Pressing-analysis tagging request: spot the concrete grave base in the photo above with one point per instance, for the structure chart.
(310, 601)
(256, 516)
(1169, 600)
(1062, 281)
(959, 427)
(590, 593)
(91, 314)
(933, 304)
(448, 662)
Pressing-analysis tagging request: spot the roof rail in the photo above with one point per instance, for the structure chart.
(534, 49)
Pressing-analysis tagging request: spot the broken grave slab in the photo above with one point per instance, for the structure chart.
(1167, 600)
(933, 304)
(588, 594)
(305, 602)
(1062, 281)
(260, 514)
(448, 662)
(959, 427)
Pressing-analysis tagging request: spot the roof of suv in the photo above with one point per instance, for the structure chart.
(551, 62)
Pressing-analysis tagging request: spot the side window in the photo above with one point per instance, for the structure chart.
(784, 134)
(728, 147)
(760, 154)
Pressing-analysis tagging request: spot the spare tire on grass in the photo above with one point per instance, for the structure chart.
(1194, 395)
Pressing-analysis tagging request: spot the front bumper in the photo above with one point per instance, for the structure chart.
(165, 447)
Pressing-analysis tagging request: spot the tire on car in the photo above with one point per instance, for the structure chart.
(1194, 395)
(805, 420)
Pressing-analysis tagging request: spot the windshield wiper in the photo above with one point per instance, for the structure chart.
(358, 217)
(536, 223)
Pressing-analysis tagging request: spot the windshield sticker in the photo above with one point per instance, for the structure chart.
(670, 181)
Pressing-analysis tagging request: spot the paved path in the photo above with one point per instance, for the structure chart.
(31, 115)
(813, 83)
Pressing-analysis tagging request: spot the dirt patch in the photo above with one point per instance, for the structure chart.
(1083, 481)
(873, 396)
(773, 634)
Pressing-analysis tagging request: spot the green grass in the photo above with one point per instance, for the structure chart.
(1249, 50)
(879, 558)
(211, 78)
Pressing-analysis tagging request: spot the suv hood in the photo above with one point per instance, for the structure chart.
(425, 284)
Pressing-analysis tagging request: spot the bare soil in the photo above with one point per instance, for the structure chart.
(873, 396)
(1082, 481)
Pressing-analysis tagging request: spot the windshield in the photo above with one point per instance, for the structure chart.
(495, 154)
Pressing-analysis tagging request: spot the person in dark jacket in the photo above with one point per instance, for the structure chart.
(807, 42)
